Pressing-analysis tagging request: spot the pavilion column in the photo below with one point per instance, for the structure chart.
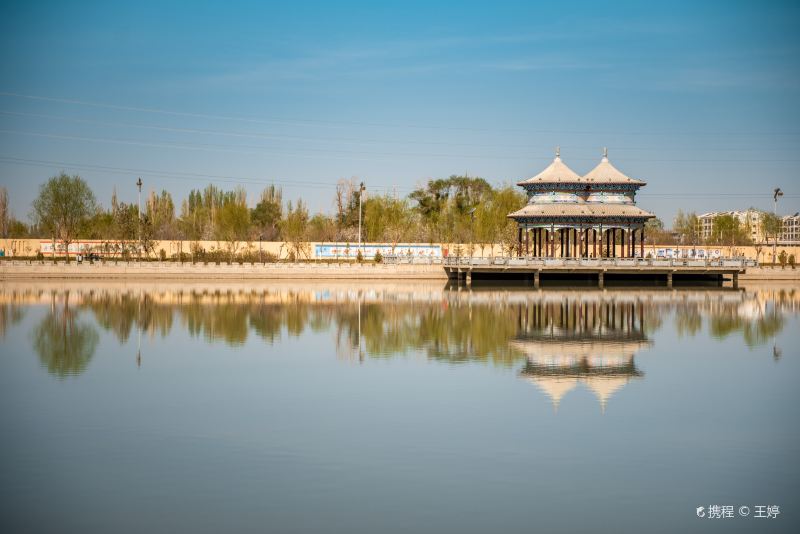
(594, 242)
(631, 231)
(527, 240)
(586, 242)
(641, 242)
(541, 233)
(519, 240)
(614, 243)
(561, 247)
(574, 242)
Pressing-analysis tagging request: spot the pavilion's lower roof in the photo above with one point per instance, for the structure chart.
(581, 209)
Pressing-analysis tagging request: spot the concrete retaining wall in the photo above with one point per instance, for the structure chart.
(168, 270)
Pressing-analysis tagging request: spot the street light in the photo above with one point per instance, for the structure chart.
(139, 248)
(361, 189)
(775, 194)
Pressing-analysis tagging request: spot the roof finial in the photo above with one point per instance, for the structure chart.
(605, 152)
(558, 151)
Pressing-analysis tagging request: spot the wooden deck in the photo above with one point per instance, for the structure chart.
(533, 270)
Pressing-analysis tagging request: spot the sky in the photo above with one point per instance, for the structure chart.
(700, 99)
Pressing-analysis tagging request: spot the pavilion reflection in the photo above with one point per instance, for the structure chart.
(592, 342)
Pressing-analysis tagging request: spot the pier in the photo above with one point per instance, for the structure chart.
(599, 271)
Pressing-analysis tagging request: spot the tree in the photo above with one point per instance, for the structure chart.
(727, 230)
(233, 221)
(772, 226)
(62, 207)
(161, 213)
(4, 215)
(295, 230)
(18, 229)
(266, 216)
(321, 228)
(687, 227)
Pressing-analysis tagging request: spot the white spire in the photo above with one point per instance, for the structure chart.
(605, 153)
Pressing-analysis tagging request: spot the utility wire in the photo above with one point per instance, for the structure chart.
(240, 180)
(339, 124)
(282, 137)
(334, 152)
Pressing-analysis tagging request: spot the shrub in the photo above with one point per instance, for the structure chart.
(378, 256)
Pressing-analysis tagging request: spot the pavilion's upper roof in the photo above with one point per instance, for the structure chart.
(559, 173)
(606, 173)
(555, 173)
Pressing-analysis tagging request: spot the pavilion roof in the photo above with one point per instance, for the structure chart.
(580, 209)
(556, 172)
(606, 173)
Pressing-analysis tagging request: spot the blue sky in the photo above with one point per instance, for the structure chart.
(696, 98)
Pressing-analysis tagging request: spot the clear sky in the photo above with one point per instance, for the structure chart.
(699, 99)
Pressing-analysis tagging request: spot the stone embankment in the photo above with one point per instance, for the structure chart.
(11, 270)
(777, 274)
(169, 270)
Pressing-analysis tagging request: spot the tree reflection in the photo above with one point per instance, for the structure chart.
(445, 325)
(10, 314)
(65, 344)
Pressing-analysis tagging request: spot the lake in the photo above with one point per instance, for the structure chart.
(373, 407)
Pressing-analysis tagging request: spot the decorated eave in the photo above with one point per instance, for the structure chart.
(581, 210)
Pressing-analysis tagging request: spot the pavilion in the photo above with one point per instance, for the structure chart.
(572, 216)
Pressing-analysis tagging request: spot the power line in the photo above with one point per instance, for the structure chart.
(282, 137)
(334, 152)
(232, 179)
(339, 124)
(176, 175)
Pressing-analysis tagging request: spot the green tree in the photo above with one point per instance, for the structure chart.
(772, 226)
(727, 230)
(266, 216)
(233, 221)
(160, 212)
(321, 228)
(687, 226)
(5, 217)
(295, 230)
(62, 208)
(18, 229)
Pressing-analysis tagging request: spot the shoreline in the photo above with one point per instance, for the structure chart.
(270, 271)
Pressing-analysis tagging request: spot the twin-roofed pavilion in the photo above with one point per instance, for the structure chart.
(573, 216)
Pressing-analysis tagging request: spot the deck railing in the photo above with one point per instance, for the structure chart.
(596, 262)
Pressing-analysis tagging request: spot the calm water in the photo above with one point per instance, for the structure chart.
(395, 408)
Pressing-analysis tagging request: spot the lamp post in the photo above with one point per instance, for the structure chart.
(139, 213)
(777, 193)
(361, 189)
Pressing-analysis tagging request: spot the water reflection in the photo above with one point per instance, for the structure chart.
(65, 344)
(559, 338)
(591, 341)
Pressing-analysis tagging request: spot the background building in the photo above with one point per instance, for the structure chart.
(750, 219)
